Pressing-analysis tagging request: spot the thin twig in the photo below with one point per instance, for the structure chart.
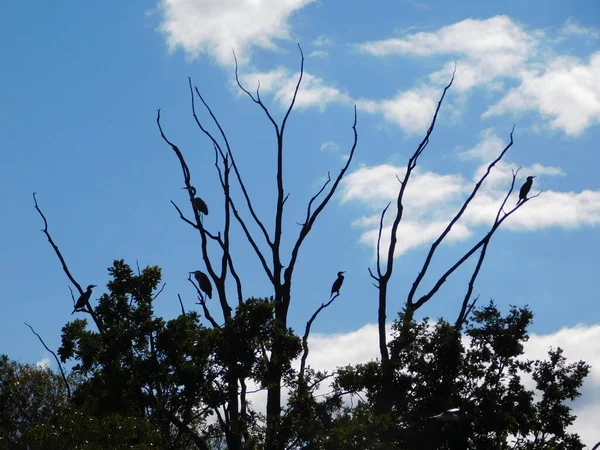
(158, 293)
(62, 373)
(306, 334)
(181, 304)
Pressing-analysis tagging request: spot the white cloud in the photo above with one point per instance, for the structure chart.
(215, 27)
(44, 363)
(488, 48)
(281, 83)
(412, 110)
(562, 89)
(432, 199)
(566, 93)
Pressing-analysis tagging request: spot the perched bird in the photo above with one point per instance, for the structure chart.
(448, 416)
(203, 282)
(337, 284)
(198, 203)
(84, 298)
(525, 189)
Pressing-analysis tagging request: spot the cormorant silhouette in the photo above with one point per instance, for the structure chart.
(448, 416)
(203, 282)
(198, 203)
(337, 284)
(84, 298)
(525, 189)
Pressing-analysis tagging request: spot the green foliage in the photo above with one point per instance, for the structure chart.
(149, 383)
(480, 371)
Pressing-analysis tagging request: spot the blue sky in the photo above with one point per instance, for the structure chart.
(81, 84)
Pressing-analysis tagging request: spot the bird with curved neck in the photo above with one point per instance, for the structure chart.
(203, 282)
(525, 189)
(199, 204)
(337, 284)
(83, 299)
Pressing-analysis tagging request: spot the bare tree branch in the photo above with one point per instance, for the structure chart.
(159, 292)
(385, 276)
(181, 304)
(500, 218)
(455, 219)
(55, 247)
(256, 100)
(310, 222)
(66, 270)
(230, 154)
(306, 334)
(287, 114)
(62, 372)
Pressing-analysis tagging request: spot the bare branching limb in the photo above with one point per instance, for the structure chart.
(181, 304)
(219, 280)
(314, 197)
(501, 216)
(60, 367)
(65, 268)
(230, 156)
(306, 334)
(313, 216)
(384, 276)
(455, 219)
(256, 99)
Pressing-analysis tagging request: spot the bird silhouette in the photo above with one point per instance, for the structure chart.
(450, 415)
(198, 203)
(337, 284)
(525, 189)
(203, 282)
(84, 298)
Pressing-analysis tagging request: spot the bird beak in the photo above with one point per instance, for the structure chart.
(344, 272)
(94, 285)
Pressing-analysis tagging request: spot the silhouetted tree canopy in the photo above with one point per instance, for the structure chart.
(140, 381)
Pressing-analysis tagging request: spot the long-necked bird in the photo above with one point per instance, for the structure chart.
(525, 189)
(84, 298)
(337, 284)
(203, 282)
(198, 203)
(450, 415)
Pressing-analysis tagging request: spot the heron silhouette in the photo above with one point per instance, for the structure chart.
(203, 282)
(199, 204)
